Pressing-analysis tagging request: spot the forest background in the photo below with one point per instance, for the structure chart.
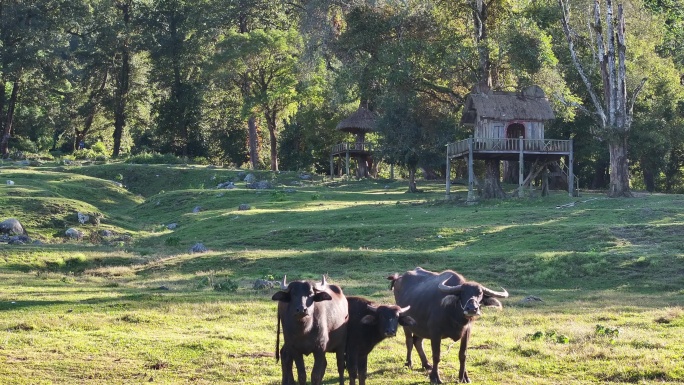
(262, 84)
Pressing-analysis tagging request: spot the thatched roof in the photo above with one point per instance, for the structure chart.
(530, 104)
(363, 120)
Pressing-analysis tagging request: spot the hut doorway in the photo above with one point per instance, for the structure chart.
(515, 130)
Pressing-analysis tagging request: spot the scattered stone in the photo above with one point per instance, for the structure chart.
(263, 284)
(196, 209)
(107, 233)
(73, 233)
(12, 226)
(172, 226)
(531, 299)
(290, 190)
(35, 163)
(226, 185)
(305, 177)
(250, 178)
(244, 207)
(199, 248)
(82, 218)
(260, 185)
(10, 182)
(118, 184)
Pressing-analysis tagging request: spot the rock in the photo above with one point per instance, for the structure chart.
(260, 185)
(249, 178)
(531, 299)
(73, 233)
(196, 209)
(244, 207)
(19, 240)
(82, 218)
(263, 284)
(305, 176)
(172, 226)
(118, 184)
(226, 185)
(12, 226)
(198, 248)
(10, 182)
(290, 190)
(107, 233)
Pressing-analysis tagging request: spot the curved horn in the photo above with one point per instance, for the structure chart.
(404, 309)
(449, 289)
(284, 285)
(321, 286)
(372, 308)
(495, 294)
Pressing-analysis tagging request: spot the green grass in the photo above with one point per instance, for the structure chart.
(140, 307)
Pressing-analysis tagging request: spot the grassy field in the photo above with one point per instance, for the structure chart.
(138, 306)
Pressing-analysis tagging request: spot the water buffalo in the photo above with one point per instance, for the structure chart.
(443, 306)
(368, 325)
(314, 318)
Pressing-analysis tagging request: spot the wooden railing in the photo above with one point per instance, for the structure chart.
(352, 147)
(509, 145)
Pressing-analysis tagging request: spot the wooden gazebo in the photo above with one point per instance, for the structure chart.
(509, 126)
(361, 122)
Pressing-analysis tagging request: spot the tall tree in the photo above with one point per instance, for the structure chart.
(29, 34)
(612, 108)
(266, 60)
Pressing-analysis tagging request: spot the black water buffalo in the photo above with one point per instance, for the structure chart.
(314, 318)
(369, 324)
(443, 306)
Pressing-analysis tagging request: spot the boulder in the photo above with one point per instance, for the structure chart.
(250, 178)
(74, 234)
(244, 207)
(82, 218)
(12, 226)
(199, 248)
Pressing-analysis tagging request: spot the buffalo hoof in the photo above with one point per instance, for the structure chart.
(427, 366)
(408, 364)
(435, 380)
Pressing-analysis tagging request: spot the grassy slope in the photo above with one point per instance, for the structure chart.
(89, 312)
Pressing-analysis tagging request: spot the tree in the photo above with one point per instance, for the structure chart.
(612, 108)
(266, 60)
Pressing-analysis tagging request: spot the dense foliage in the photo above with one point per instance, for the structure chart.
(263, 83)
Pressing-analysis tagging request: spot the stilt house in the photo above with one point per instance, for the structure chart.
(509, 126)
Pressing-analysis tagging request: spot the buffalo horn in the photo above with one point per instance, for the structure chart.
(284, 285)
(449, 289)
(322, 285)
(495, 294)
(404, 309)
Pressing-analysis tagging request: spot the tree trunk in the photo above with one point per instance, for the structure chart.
(8, 119)
(510, 174)
(492, 185)
(412, 180)
(272, 125)
(619, 168)
(649, 176)
(122, 83)
(253, 143)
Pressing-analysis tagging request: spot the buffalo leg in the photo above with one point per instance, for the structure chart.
(363, 369)
(286, 366)
(320, 363)
(435, 342)
(340, 364)
(418, 342)
(352, 365)
(409, 347)
(301, 369)
(462, 355)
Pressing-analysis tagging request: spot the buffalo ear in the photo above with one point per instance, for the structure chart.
(321, 296)
(369, 320)
(491, 302)
(406, 320)
(281, 296)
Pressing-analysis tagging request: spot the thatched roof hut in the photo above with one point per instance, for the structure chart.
(529, 105)
(361, 121)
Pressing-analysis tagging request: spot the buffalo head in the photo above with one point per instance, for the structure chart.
(471, 296)
(387, 318)
(301, 296)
